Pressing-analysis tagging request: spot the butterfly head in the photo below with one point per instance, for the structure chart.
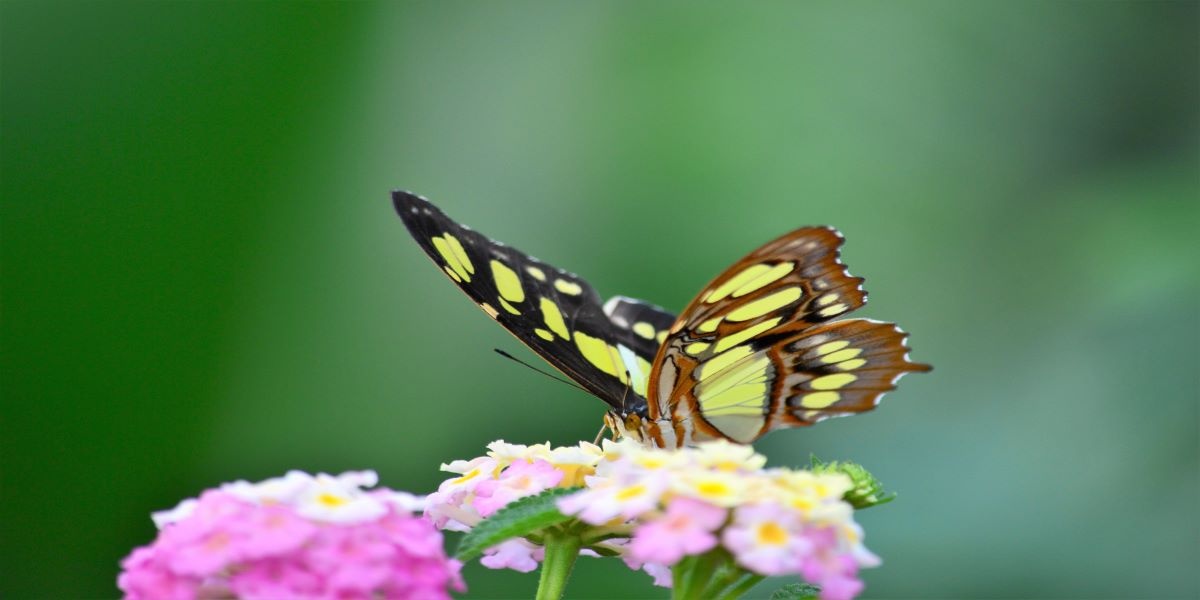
(625, 423)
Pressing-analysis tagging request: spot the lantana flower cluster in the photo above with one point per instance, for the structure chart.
(290, 537)
(657, 508)
(508, 472)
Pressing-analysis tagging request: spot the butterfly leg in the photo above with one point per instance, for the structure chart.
(600, 434)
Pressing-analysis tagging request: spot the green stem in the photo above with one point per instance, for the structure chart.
(692, 575)
(725, 575)
(680, 576)
(739, 588)
(600, 534)
(561, 551)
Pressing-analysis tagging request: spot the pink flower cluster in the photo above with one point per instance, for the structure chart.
(687, 502)
(297, 536)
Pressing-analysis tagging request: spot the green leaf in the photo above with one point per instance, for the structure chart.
(796, 591)
(867, 490)
(521, 518)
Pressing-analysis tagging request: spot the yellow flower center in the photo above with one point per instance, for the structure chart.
(331, 500)
(712, 488)
(651, 462)
(632, 491)
(802, 503)
(771, 534)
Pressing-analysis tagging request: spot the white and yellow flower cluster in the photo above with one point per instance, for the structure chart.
(657, 507)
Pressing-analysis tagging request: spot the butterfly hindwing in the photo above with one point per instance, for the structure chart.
(837, 369)
(555, 313)
(744, 356)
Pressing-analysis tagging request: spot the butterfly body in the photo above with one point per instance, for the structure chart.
(756, 350)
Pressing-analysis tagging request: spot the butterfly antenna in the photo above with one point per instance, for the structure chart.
(628, 383)
(550, 375)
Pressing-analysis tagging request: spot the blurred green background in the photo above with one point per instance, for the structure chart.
(203, 278)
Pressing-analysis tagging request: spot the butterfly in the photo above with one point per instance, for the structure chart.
(758, 348)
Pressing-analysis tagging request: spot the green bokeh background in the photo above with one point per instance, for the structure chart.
(203, 279)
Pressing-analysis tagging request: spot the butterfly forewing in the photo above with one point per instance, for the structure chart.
(554, 312)
(647, 323)
(751, 352)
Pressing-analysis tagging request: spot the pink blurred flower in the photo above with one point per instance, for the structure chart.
(518, 480)
(515, 554)
(833, 570)
(839, 584)
(297, 536)
(271, 531)
(144, 576)
(201, 555)
(351, 559)
(267, 579)
(660, 573)
(686, 528)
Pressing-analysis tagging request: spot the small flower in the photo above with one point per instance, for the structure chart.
(686, 528)
(450, 507)
(404, 501)
(516, 554)
(277, 489)
(727, 456)
(576, 462)
(660, 573)
(353, 560)
(413, 536)
(613, 498)
(766, 538)
(471, 473)
(840, 587)
(356, 479)
(275, 579)
(271, 530)
(715, 487)
(505, 453)
(338, 500)
(181, 511)
(627, 454)
(520, 479)
(143, 576)
(817, 497)
(464, 466)
(451, 511)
